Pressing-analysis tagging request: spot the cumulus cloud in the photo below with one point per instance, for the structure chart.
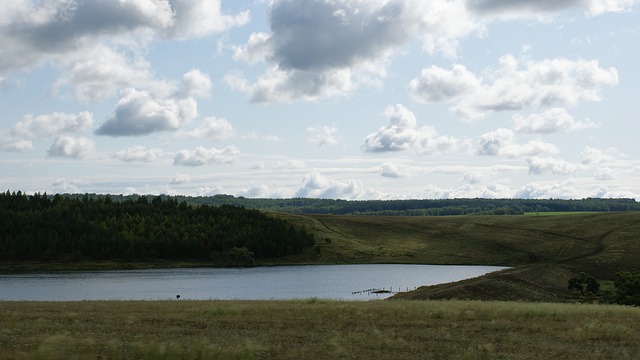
(281, 86)
(100, 71)
(212, 128)
(15, 145)
(202, 18)
(31, 32)
(319, 49)
(564, 190)
(551, 121)
(142, 112)
(515, 85)
(68, 146)
(393, 170)
(402, 133)
(291, 164)
(64, 186)
(550, 165)
(524, 8)
(20, 136)
(139, 113)
(501, 142)
(604, 173)
(180, 179)
(36, 126)
(437, 84)
(316, 185)
(139, 154)
(196, 84)
(323, 135)
(203, 156)
(593, 156)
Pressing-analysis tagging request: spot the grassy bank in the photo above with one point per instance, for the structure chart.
(317, 330)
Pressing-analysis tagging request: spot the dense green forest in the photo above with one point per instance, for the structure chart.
(439, 207)
(41, 227)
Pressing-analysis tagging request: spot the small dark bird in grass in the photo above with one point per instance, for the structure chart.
(178, 297)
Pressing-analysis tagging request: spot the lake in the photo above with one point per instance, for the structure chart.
(340, 282)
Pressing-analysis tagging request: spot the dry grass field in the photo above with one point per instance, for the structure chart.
(317, 329)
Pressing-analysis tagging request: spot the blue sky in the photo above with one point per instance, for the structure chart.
(349, 99)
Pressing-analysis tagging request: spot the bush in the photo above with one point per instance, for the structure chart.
(584, 283)
(627, 288)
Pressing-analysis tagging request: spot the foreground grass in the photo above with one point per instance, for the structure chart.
(316, 329)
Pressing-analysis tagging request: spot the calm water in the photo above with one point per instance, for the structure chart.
(343, 282)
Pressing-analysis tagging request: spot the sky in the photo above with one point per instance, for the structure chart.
(342, 99)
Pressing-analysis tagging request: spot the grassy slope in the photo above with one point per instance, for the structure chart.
(315, 329)
(546, 250)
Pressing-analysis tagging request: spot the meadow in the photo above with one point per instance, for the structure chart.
(317, 329)
(527, 311)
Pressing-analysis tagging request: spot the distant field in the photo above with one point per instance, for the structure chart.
(316, 329)
(558, 213)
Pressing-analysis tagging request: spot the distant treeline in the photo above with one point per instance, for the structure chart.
(411, 207)
(42, 227)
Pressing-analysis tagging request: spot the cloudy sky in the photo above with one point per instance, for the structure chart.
(349, 99)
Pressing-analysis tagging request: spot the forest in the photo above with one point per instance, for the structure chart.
(42, 227)
(414, 207)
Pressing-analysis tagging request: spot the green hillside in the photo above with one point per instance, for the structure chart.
(545, 251)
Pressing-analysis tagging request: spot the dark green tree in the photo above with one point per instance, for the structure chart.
(584, 283)
(627, 288)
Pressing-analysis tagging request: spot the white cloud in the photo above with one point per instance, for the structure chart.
(551, 121)
(32, 32)
(281, 86)
(203, 156)
(142, 112)
(202, 18)
(549, 165)
(139, 153)
(323, 49)
(402, 133)
(438, 84)
(180, 179)
(138, 113)
(214, 129)
(501, 142)
(31, 127)
(316, 185)
(100, 71)
(515, 85)
(291, 164)
(64, 186)
(323, 135)
(593, 156)
(67, 146)
(37, 126)
(196, 84)
(209, 191)
(527, 8)
(15, 145)
(256, 50)
(604, 173)
(564, 190)
(393, 170)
